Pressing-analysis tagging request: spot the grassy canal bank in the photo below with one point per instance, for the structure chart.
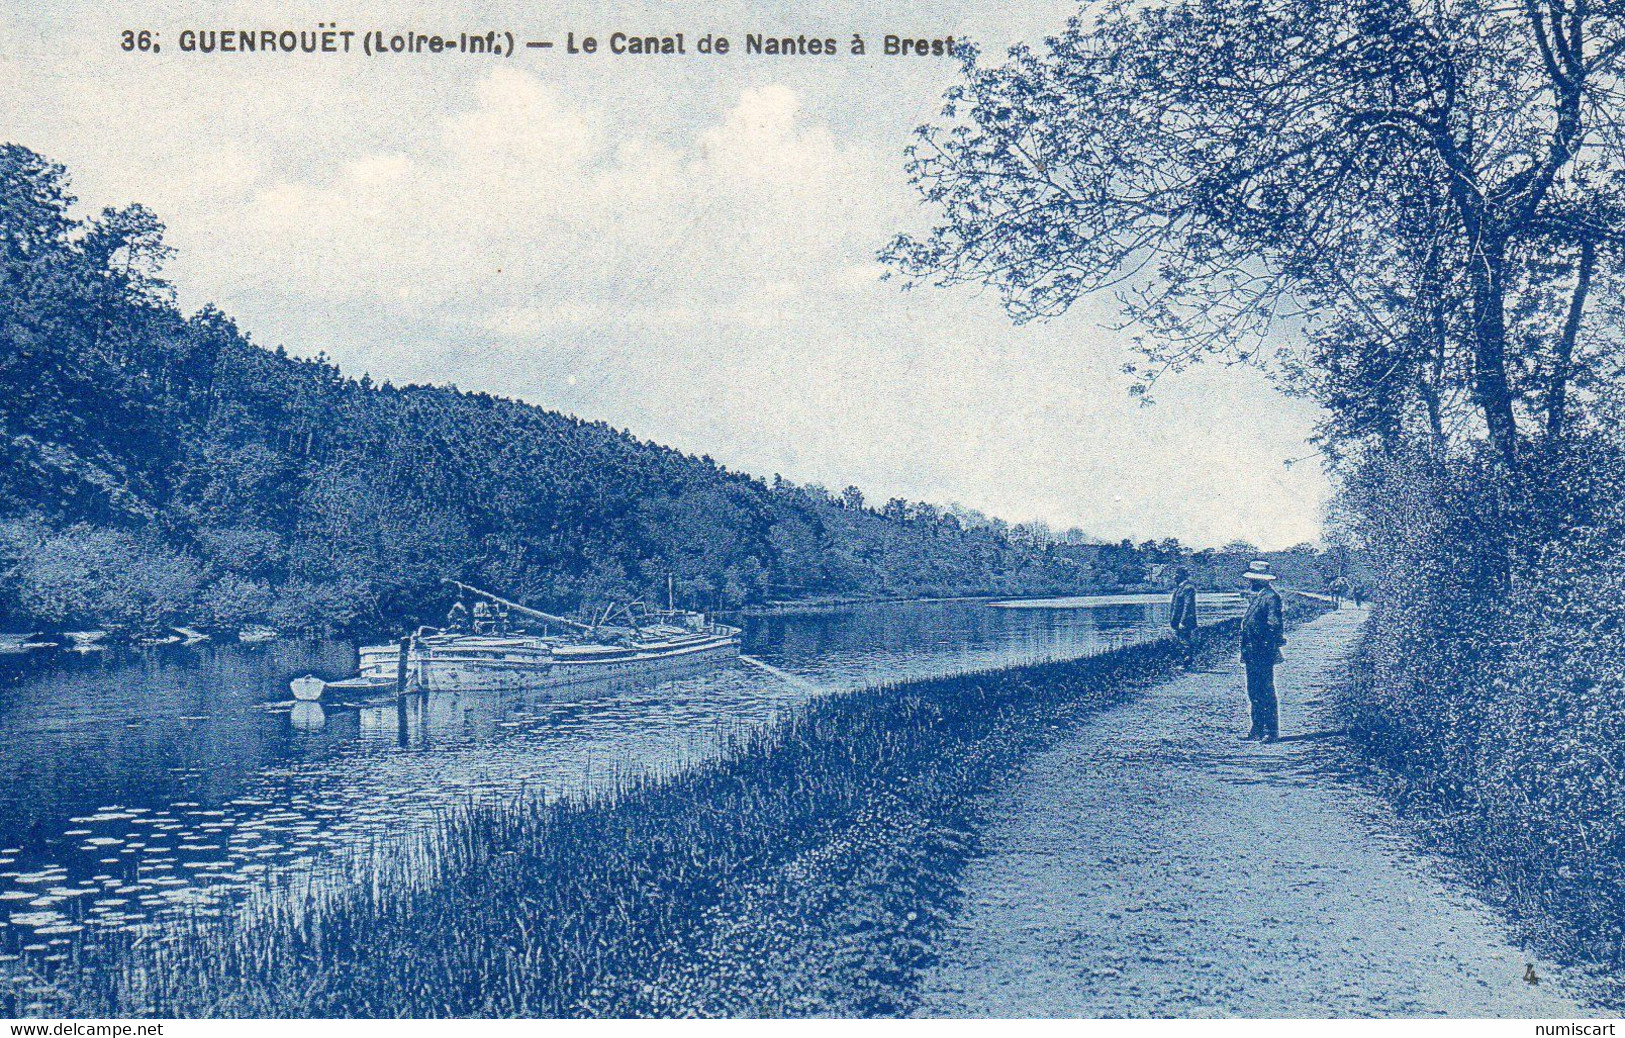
(806, 872)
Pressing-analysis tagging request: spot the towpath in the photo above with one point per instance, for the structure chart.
(1154, 865)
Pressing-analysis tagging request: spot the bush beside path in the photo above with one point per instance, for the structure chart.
(1154, 865)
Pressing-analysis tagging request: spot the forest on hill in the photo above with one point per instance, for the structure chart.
(158, 468)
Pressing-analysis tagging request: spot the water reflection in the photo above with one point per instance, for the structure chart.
(307, 717)
(145, 787)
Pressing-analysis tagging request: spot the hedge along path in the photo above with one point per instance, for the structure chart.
(1152, 864)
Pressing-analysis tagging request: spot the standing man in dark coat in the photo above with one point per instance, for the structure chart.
(1261, 640)
(1182, 615)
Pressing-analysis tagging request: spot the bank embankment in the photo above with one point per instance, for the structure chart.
(809, 871)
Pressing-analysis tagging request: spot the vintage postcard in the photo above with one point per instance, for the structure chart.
(945, 509)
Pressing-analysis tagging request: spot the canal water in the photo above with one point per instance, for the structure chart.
(143, 786)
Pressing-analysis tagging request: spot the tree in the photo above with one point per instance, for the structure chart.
(1388, 181)
(158, 468)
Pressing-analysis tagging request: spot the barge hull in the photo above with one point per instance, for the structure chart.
(464, 665)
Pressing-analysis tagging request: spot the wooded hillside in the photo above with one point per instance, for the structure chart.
(158, 468)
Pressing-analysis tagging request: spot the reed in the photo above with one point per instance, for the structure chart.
(803, 871)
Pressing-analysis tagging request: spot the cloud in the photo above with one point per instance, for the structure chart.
(522, 204)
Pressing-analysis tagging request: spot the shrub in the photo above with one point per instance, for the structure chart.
(234, 601)
(339, 604)
(88, 575)
(1491, 680)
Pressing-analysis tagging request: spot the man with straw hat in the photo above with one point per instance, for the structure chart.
(1261, 641)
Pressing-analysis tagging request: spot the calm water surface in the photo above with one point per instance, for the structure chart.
(142, 786)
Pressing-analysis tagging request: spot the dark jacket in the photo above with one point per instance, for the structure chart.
(1261, 630)
(1183, 618)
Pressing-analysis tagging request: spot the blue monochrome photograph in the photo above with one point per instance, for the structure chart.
(852, 509)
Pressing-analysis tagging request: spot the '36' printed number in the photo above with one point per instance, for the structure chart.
(138, 40)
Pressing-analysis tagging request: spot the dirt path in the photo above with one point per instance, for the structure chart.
(1154, 865)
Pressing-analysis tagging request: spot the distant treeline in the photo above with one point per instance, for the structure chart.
(158, 469)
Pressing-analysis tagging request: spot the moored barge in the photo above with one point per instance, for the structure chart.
(625, 642)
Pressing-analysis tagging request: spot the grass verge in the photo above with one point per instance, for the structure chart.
(807, 872)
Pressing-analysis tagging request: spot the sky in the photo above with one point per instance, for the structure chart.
(683, 247)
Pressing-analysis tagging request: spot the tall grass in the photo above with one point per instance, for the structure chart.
(804, 872)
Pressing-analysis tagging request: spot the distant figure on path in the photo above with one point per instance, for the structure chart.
(1261, 640)
(1182, 617)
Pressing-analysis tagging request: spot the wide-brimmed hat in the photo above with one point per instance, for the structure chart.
(1259, 570)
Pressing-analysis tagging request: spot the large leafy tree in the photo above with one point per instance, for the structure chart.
(1420, 196)
(75, 298)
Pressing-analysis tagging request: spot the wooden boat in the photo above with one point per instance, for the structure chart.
(438, 660)
(659, 648)
(620, 643)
